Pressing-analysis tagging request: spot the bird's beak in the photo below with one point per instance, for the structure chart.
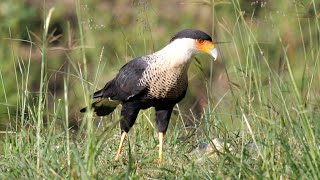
(208, 48)
(214, 53)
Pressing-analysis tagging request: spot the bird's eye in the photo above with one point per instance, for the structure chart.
(201, 41)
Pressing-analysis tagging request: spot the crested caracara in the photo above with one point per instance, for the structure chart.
(157, 80)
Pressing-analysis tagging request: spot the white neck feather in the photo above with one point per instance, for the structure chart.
(178, 53)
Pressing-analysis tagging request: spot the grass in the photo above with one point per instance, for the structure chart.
(263, 96)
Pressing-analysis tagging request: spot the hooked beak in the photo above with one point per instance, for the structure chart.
(214, 53)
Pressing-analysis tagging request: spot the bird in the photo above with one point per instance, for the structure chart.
(158, 80)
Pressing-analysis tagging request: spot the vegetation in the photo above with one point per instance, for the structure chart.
(261, 96)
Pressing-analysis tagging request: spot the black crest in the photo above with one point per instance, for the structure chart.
(191, 33)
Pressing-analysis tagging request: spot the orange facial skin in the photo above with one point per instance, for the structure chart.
(205, 46)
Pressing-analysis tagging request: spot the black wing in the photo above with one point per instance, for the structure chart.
(125, 86)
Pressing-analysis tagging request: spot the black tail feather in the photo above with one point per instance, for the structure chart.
(103, 107)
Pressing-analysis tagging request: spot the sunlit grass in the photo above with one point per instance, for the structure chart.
(268, 110)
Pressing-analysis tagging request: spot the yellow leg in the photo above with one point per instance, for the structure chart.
(161, 135)
(123, 138)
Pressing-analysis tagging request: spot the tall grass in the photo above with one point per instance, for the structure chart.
(267, 112)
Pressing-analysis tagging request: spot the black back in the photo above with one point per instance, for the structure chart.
(191, 33)
(124, 86)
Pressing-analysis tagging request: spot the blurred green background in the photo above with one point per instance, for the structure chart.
(262, 91)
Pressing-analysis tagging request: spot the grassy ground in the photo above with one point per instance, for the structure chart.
(261, 95)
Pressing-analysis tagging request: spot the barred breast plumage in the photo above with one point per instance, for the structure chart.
(163, 80)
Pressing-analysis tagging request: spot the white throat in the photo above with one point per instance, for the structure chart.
(179, 52)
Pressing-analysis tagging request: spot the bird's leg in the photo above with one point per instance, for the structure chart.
(161, 136)
(123, 138)
(129, 114)
(162, 119)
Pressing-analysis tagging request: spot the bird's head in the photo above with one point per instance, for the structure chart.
(196, 40)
